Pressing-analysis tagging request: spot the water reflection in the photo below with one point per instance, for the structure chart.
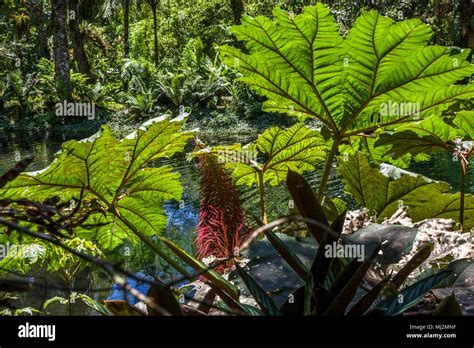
(444, 167)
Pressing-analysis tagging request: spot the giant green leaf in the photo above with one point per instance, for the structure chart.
(298, 149)
(423, 137)
(117, 176)
(465, 122)
(384, 191)
(122, 181)
(375, 154)
(305, 68)
(293, 61)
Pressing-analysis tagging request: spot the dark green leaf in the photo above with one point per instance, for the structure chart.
(264, 301)
(344, 297)
(287, 254)
(420, 257)
(165, 299)
(307, 204)
(413, 294)
(365, 302)
(198, 266)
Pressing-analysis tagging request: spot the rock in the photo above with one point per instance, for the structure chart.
(198, 290)
(355, 220)
(141, 306)
(400, 217)
(436, 224)
(465, 251)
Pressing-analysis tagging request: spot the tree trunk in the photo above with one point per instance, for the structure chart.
(41, 29)
(77, 39)
(155, 28)
(154, 5)
(126, 28)
(126, 32)
(60, 45)
(237, 7)
(467, 11)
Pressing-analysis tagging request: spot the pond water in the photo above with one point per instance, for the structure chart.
(182, 216)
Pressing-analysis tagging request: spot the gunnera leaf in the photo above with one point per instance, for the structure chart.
(384, 189)
(116, 176)
(306, 69)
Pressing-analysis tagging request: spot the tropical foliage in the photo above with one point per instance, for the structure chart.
(369, 91)
(116, 177)
(307, 70)
(384, 190)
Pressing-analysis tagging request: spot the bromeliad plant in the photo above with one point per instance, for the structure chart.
(331, 284)
(305, 69)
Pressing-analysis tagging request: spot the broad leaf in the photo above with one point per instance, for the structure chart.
(368, 299)
(15, 171)
(117, 176)
(344, 295)
(449, 306)
(377, 153)
(307, 204)
(287, 254)
(21, 258)
(396, 241)
(97, 306)
(424, 137)
(163, 297)
(309, 208)
(293, 61)
(416, 261)
(384, 192)
(214, 277)
(305, 68)
(460, 282)
(465, 122)
(298, 149)
(411, 295)
(264, 301)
